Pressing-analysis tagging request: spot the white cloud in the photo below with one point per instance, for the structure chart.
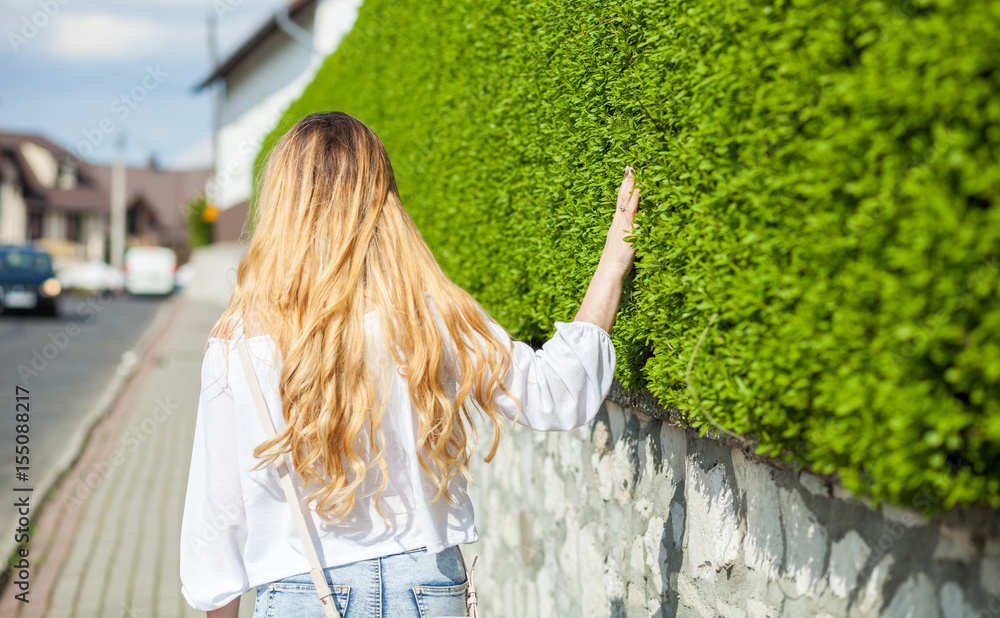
(105, 36)
(107, 29)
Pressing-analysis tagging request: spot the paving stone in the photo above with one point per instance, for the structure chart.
(124, 559)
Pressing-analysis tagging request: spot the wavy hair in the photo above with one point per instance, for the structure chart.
(330, 234)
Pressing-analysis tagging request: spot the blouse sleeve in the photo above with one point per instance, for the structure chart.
(213, 528)
(562, 385)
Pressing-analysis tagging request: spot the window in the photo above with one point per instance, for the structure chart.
(132, 221)
(35, 226)
(25, 262)
(66, 179)
(73, 227)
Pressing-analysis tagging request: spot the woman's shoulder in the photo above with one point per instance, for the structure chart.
(234, 326)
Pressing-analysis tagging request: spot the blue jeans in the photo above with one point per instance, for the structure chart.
(414, 584)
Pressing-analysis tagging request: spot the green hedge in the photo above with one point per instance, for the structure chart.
(199, 230)
(820, 184)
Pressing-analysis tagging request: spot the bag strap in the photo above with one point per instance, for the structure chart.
(315, 567)
(471, 596)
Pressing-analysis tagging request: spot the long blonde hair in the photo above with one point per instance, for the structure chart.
(330, 231)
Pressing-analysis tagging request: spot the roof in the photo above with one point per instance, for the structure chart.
(86, 196)
(165, 193)
(269, 27)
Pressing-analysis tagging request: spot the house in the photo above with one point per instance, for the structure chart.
(260, 79)
(51, 198)
(156, 204)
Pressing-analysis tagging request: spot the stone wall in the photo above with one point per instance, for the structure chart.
(634, 516)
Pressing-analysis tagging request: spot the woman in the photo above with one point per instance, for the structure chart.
(379, 435)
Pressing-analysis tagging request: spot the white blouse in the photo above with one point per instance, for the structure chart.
(237, 531)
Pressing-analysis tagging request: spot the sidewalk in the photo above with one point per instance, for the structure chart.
(111, 532)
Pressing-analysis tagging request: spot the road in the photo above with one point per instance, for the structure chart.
(64, 363)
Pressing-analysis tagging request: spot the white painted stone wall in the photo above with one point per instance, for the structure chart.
(633, 516)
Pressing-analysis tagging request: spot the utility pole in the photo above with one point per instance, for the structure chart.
(118, 204)
(217, 102)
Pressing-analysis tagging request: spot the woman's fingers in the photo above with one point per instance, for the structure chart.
(633, 201)
(628, 194)
(628, 183)
(617, 250)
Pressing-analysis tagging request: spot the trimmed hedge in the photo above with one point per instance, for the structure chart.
(820, 184)
(199, 230)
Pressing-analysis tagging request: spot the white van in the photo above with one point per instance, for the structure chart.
(150, 270)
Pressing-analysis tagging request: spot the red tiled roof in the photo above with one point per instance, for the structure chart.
(165, 193)
(87, 196)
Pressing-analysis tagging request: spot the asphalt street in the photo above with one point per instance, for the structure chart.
(64, 364)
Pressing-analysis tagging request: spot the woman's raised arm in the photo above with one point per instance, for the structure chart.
(600, 303)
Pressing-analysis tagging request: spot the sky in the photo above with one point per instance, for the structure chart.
(80, 72)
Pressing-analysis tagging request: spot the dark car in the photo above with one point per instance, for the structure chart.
(27, 281)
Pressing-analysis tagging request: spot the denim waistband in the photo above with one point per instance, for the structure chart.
(404, 585)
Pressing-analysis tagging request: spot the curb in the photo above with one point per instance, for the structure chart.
(78, 440)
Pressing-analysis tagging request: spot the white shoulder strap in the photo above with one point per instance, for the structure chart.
(315, 568)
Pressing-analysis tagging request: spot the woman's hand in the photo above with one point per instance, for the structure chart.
(618, 252)
(600, 303)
